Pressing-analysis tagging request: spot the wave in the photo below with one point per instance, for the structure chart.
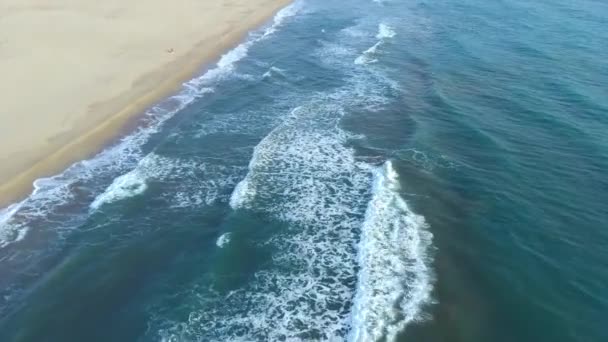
(285, 13)
(223, 240)
(241, 195)
(128, 185)
(184, 182)
(53, 192)
(368, 56)
(385, 31)
(134, 182)
(244, 193)
(365, 57)
(10, 232)
(394, 264)
(227, 62)
(15, 219)
(274, 71)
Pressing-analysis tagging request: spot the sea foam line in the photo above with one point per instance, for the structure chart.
(395, 279)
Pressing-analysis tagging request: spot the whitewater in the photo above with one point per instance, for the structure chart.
(355, 262)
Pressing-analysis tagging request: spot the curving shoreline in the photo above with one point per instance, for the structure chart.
(39, 145)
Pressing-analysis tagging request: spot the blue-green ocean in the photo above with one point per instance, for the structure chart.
(398, 170)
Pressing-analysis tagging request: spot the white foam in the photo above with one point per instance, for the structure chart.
(10, 233)
(274, 70)
(185, 187)
(394, 281)
(314, 183)
(132, 183)
(223, 240)
(227, 62)
(14, 219)
(192, 184)
(283, 14)
(7, 213)
(127, 185)
(385, 31)
(367, 57)
(241, 194)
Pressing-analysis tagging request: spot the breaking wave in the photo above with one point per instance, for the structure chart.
(369, 56)
(395, 280)
(223, 240)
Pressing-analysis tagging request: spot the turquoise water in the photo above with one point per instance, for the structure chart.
(377, 171)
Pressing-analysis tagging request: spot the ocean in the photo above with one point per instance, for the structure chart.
(352, 171)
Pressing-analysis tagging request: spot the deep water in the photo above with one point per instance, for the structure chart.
(360, 171)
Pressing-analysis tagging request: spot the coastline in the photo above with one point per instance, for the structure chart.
(106, 120)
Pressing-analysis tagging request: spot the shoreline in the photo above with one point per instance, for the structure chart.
(112, 116)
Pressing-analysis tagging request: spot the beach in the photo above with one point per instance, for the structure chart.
(374, 171)
(75, 72)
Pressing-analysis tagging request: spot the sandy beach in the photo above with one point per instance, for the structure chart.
(75, 72)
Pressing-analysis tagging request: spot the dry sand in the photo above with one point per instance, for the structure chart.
(73, 72)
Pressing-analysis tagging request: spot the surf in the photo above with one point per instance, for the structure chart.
(395, 278)
(304, 176)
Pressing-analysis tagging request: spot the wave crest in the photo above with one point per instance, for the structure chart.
(394, 261)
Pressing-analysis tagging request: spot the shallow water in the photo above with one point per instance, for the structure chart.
(382, 171)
